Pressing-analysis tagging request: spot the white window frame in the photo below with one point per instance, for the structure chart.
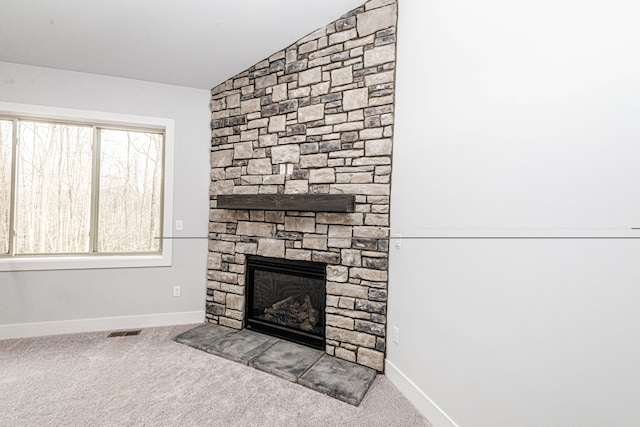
(97, 261)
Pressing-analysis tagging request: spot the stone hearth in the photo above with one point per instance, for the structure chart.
(314, 118)
(296, 363)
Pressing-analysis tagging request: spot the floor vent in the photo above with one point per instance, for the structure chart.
(124, 333)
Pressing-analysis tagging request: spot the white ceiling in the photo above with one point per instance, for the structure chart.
(193, 43)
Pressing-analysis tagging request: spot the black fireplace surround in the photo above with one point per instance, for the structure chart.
(286, 299)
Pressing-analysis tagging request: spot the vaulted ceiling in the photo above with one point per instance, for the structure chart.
(193, 43)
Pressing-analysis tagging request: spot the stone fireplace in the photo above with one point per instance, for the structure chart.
(286, 298)
(301, 166)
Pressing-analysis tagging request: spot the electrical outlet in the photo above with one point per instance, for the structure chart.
(179, 225)
(176, 291)
(398, 238)
(396, 335)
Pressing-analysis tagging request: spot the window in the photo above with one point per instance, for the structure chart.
(6, 159)
(130, 191)
(52, 194)
(88, 191)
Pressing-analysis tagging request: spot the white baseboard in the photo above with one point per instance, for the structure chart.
(420, 400)
(24, 330)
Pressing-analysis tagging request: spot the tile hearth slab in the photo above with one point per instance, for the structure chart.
(338, 378)
(202, 336)
(308, 367)
(242, 346)
(286, 360)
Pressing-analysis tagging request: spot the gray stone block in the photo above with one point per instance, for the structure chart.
(377, 19)
(221, 158)
(285, 154)
(271, 248)
(371, 358)
(259, 167)
(340, 379)
(242, 346)
(308, 77)
(354, 99)
(286, 360)
(296, 187)
(250, 106)
(310, 113)
(204, 335)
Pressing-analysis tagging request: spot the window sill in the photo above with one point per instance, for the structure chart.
(84, 262)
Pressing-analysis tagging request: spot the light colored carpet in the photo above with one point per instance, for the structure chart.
(88, 379)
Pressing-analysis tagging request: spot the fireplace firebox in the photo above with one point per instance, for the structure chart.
(286, 298)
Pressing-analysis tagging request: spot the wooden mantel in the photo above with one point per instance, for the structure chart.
(289, 202)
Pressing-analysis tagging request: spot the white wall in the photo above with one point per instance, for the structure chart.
(53, 296)
(517, 118)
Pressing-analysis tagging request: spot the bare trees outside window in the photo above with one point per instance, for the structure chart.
(130, 191)
(53, 194)
(79, 189)
(6, 149)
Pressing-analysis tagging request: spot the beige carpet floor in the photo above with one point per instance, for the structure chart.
(148, 380)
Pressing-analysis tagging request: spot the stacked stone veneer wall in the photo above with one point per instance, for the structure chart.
(317, 118)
